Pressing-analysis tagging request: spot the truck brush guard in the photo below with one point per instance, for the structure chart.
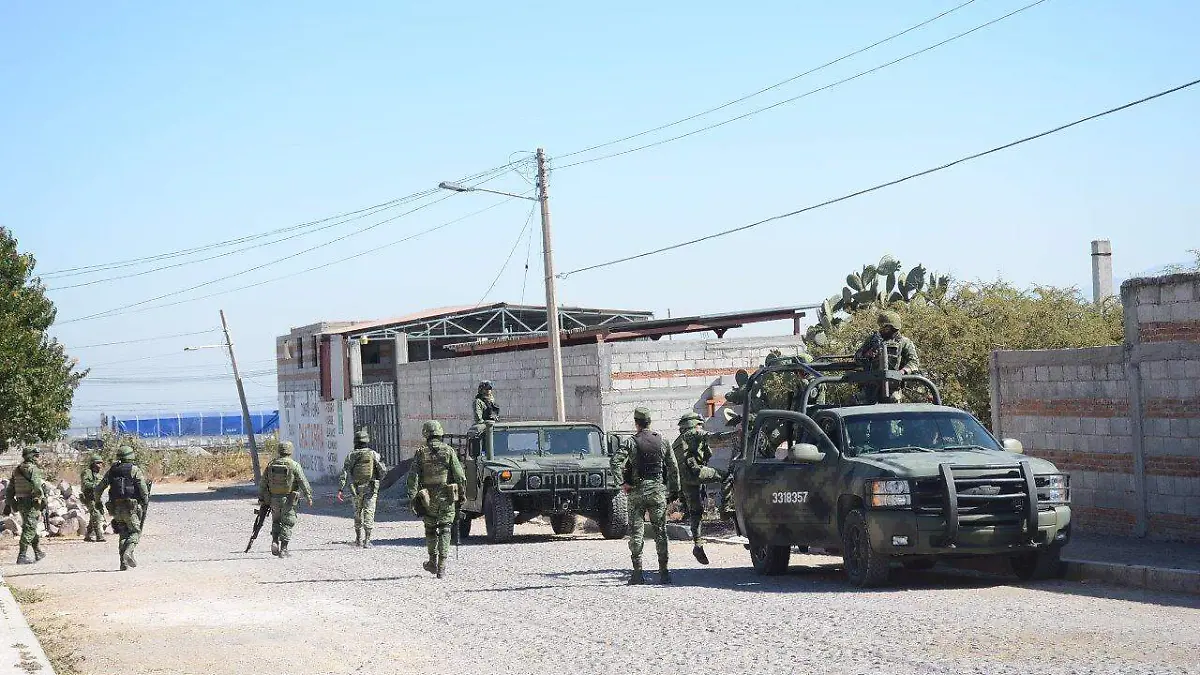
(986, 495)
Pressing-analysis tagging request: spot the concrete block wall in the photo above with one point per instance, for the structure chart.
(1125, 421)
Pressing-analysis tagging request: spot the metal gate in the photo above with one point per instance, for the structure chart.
(375, 410)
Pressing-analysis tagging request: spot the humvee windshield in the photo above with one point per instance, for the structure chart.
(560, 441)
(919, 431)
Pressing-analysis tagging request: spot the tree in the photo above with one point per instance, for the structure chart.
(37, 379)
(876, 287)
(957, 332)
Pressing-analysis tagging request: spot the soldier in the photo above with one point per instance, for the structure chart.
(692, 455)
(901, 353)
(434, 485)
(283, 483)
(89, 478)
(363, 470)
(26, 494)
(486, 409)
(651, 480)
(128, 497)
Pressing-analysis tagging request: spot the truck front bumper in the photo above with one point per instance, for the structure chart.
(904, 533)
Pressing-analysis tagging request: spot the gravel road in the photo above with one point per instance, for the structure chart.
(558, 604)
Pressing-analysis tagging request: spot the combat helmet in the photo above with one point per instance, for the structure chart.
(362, 436)
(125, 454)
(432, 429)
(890, 318)
(95, 459)
(486, 385)
(641, 414)
(285, 449)
(30, 453)
(689, 420)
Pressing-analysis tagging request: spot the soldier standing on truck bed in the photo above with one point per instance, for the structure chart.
(485, 409)
(363, 471)
(651, 479)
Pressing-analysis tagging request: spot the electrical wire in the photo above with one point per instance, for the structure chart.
(890, 183)
(777, 85)
(520, 236)
(148, 339)
(806, 94)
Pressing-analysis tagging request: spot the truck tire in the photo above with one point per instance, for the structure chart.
(614, 524)
(563, 523)
(865, 567)
(769, 560)
(498, 516)
(1037, 565)
(464, 526)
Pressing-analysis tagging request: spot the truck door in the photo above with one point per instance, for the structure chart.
(783, 486)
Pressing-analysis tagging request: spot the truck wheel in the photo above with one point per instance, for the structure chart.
(864, 566)
(464, 527)
(1037, 565)
(614, 524)
(769, 560)
(498, 516)
(563, 523)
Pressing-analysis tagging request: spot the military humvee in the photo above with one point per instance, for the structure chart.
(889, 483)
(519, 470)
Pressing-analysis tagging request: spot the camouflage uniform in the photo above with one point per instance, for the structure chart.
(89, 478)
(651, 480)
(485, 409)
(362, 470)
(283, 483)
(901, 355)
(692, 455)
(435, 489)
(128, 497)
(26, 494)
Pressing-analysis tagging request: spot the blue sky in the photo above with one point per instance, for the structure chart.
(130, 129)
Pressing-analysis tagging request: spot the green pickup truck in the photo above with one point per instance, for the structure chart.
(889, 484)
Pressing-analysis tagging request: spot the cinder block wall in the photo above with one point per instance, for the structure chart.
(1125, 421)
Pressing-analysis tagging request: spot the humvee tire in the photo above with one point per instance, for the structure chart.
(615, 523)
(769, 560)
(865, 567)
(1038, 565)
(563, 523)
(498, 516)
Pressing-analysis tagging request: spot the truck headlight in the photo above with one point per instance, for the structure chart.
(595, 480)
(507, 476)
(534, 482)
(1054, 488)
(889, 493)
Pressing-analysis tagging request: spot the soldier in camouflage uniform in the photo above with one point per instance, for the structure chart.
(692, 455)
(485, 410)
(283, 483)
(435, 490)
(901, 355)
(26, 494)
(363, 471)
(651, 479)
(128, 497)
(89, 478)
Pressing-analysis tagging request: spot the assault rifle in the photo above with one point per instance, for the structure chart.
(263, 511)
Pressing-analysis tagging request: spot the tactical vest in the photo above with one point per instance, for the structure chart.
(363, 470)
(648, 455)
(435, 464)
(121, 483)
(280, 477)
(489, 408)
(21, 484)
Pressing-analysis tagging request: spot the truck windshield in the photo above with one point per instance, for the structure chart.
(573, 441)
(515, 443)
(916, 432)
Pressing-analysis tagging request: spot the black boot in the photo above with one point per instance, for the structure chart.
(89, 536)
(635, 578)
(283, 552)
(698, 552)
(664, 577)
(38, 553)
(430, 565)
(23, 558)
(358, 536)
(366, 538)
(441, 567)
(275, 546)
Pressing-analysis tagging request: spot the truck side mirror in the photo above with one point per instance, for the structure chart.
(1014, 446)
(805, 453)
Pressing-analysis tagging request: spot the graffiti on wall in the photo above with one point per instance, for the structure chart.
(317, 430)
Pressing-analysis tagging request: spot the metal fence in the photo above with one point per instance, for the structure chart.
(375, 410)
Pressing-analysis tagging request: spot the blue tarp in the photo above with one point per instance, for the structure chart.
(195, 424)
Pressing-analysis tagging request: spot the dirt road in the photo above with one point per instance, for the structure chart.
(558, 604)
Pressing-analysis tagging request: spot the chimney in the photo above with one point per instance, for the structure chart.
(1102, 279)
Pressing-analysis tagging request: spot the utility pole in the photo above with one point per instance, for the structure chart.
(552, 326)
(246, 421)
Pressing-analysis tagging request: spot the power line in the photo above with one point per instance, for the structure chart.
(148, 339)
(805, 94)
(86, 269)
(764, 90)
(881, 186)
(520, 236)
(179, 379)
(304, 271)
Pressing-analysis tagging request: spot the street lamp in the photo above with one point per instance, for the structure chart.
(552, 327)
